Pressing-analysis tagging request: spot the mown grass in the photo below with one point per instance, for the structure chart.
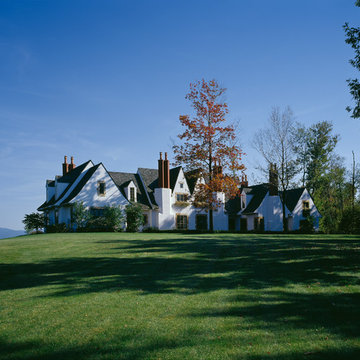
(173, 296)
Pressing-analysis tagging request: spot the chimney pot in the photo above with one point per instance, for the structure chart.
(65, 166)
(166, 156)
(72, 166)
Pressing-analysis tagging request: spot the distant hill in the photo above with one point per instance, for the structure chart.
(6, 233)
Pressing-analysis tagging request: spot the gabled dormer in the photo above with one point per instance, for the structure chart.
(130, 191)
(180, 189)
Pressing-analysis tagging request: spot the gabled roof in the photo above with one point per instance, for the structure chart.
(72, 175)
(150, 179)
(46, 204)
(174, 173)
(89, 173)
(122, 180)
(69, 179)
(292, 197)
(191, 178)
(233, 205)
(258, 192)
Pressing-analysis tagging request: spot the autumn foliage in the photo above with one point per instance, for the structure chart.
(209, 145)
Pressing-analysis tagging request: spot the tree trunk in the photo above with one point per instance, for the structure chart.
(285, 228)
(211, 221)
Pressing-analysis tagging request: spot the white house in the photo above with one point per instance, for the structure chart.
(165, 196)
(259, 207)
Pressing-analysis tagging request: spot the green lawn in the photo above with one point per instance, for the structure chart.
(173, 296)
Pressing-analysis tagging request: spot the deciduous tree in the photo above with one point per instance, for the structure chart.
(208, 145)
(353, 39)
(34, 221)
(276, 145)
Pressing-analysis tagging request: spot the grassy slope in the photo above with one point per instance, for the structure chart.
(171, 296)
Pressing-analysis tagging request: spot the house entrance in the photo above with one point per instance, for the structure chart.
(232, 223)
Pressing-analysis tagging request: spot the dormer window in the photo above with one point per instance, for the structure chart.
(101, 188)
(132, 194)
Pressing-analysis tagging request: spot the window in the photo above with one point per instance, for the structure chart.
(306, 205)
(101, 188)
(181, 222)
(132, 194)
(201, 222)
(181, 185)
(181, 197)
(97, 212)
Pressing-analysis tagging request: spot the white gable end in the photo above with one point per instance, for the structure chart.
(90, 195)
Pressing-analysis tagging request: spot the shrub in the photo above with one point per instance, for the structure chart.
(134, 217)
(114, 218)
(97, 224)
(307, 225)
(80, 215)
(57, 228)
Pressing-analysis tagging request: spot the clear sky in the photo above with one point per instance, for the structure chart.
(106, 80)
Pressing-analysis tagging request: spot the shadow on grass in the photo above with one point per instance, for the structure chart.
(200, 264)
(121, 349)
(195, 265)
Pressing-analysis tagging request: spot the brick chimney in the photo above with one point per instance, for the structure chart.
(244, 181)
(161, 172)
(72, 166)
(166, 173)
(217, 170)
(65, 166)
(273, 180)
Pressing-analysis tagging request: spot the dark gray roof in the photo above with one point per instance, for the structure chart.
(89, 173)
(191, 178)
(68, 178)
(122, 180)
(258, 192)
(174, 173)
(72, 175)
(292, 197)
(47, 204)
(150, 178)
(233, 205)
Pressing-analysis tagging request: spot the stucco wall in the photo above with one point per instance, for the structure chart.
(89, 193)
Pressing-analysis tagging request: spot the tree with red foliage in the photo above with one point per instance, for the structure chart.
(209, 146)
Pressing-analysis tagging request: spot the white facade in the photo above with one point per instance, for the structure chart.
(166, 198)
(267, 214)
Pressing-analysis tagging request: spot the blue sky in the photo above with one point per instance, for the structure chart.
(106, 80)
